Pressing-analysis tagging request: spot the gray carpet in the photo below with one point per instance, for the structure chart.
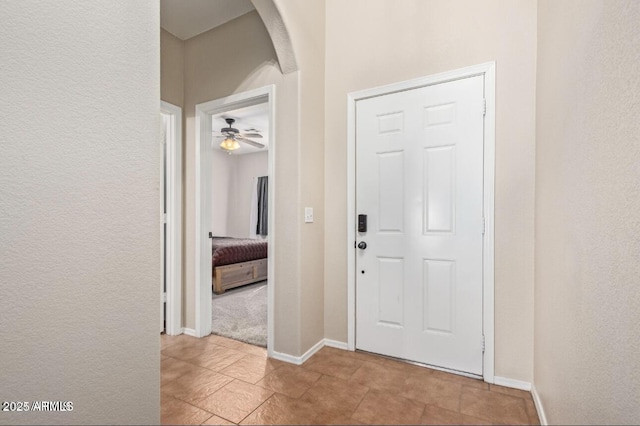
(241, 314)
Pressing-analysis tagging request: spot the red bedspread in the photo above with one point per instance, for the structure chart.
(227, 250)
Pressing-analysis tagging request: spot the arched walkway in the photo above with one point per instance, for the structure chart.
(280, 38)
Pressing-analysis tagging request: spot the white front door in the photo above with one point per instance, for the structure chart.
(419, 181)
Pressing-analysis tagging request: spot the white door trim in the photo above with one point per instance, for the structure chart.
(203, 114)
(488, 71)
(173, 321)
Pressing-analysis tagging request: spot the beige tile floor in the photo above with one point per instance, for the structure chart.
(216, 381)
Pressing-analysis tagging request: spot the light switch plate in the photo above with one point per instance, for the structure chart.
(308, 214)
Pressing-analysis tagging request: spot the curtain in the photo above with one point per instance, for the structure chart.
(263, 203)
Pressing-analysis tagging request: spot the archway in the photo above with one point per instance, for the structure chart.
(275, 25)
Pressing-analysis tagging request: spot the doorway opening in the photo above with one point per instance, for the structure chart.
(171, 219)
(226, 188)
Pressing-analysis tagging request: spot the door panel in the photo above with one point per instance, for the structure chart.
(419, 178)
(439, 295)
(390, 285)
(391, 184)
(439, 189)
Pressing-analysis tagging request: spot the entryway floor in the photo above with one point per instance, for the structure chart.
(215, 380)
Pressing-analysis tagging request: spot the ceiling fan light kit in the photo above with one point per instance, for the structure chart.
(229, 144)
(232, 136)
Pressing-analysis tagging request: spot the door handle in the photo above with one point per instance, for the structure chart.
(362, 245)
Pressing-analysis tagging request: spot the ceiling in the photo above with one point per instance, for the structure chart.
(248, 119)
(188, 18)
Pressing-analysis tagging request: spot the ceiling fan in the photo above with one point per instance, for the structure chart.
(232, 136)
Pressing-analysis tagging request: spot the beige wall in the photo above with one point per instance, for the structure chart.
(171, 68)
(306, 25)
(79, 234)
(237, 57)
(375, 42)
(587, 303)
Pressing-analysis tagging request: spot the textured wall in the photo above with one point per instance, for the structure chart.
(171, 68)
(79, 210)
(587, 303)
(398, 40)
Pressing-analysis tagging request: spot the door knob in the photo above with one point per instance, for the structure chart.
(362, 245)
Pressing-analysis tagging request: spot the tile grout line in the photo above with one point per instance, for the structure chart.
(360, 402)
(261, 404)
(310, 386)
(194, 406)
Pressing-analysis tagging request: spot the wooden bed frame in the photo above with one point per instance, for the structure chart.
(237, 274)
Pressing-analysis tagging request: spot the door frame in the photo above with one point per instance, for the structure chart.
(173, 244)
(488, 71)
(203, 114)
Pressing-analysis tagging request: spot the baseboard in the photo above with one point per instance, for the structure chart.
(189, 331)
(336, 344)
(298, 360)
(512, 383)
(538, 403)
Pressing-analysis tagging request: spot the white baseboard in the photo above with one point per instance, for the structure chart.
(189, 331)
(336, 344)
(298, 360)
(512, 383)
(538, 403)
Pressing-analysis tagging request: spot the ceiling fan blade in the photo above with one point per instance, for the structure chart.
(250, 142)
(250, 135)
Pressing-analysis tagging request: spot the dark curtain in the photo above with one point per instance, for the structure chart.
(263, 203)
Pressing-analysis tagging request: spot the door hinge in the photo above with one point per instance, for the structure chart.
(164, 297)
(484, 107)
(164, 218)
(484, 226)
(483, 343)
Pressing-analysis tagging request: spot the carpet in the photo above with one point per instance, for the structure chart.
(241, 314)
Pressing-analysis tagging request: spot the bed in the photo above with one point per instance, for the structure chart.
(237, 261)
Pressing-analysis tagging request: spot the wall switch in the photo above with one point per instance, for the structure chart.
(308, 214)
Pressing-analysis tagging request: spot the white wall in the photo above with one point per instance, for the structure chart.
(587, 299)
(233, 181)
(221, 189)
(246, 168)
(79, 210)
(376, 42)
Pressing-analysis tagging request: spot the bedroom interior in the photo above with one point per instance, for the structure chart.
(239, 217)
